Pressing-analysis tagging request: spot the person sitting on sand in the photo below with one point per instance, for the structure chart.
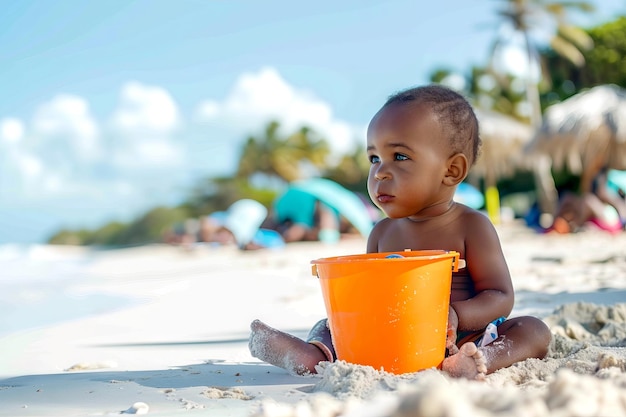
(317, 223)
(421, 145)
(602, 207)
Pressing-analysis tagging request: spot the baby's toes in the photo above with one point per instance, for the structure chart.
(471, 350)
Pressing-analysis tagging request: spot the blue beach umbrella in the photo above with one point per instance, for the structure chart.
(299, 201)
(469, 195)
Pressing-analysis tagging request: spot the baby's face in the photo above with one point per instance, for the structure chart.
(408, 154)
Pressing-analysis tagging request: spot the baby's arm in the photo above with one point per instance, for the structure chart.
(489, 273)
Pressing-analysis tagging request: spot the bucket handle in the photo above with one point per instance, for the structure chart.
(462, 264)
(457, 262)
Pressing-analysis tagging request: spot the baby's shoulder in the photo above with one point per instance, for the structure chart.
(473, 218)
(466, 212)
(383, 224)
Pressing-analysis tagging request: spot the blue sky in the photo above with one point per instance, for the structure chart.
(110, 107)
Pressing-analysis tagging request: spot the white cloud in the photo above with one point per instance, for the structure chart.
(63, 152)
(145, 109)
(29, 166)
(208, 110)
(11, 130)
(258, 98)
(65, 164)
(146, 155)
(55, 153)
(65, 122)
(144, 128)
(20, 168)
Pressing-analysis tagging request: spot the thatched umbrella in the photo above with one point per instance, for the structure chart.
(583, 134)
(503, 140)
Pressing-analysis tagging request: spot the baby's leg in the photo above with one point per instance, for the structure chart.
(283, 350)
(468, 363)
(520, 338)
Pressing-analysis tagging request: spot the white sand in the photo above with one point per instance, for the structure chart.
(162, 331)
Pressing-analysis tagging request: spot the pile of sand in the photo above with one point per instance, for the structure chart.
(583, 374)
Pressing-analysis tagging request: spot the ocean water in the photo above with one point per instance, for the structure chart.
(41, 285)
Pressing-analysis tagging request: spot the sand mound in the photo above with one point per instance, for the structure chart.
(584, 374)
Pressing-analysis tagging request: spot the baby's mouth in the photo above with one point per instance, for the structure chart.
(384, 198)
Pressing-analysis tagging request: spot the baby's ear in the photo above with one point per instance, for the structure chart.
(458, 167)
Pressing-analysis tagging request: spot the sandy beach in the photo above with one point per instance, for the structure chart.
(162, 331)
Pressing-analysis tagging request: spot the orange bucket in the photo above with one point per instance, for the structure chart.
(389, 310)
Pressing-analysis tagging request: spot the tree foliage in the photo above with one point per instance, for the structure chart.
(147, 228)
(287, 158)
(605, 63)
(525, 17)
(351, 171)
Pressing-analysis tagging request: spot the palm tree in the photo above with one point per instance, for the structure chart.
(303, 154)
(255, 154)
(525, 17)
(287, 158)
(351, 171)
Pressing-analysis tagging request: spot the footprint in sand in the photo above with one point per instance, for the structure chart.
(216, 393)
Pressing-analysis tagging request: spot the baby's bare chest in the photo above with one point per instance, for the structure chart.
(422, 237)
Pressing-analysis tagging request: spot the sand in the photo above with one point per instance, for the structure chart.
(159, 330)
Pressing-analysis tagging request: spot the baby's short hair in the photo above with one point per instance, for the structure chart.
(456, 115)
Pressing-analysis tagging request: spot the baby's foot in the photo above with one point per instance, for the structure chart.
(468, 363)
(283, 350)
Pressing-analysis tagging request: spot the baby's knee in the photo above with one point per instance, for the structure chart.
(538, 332)
(320, 337)
(545, 335)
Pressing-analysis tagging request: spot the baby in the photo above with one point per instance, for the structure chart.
(421, 145)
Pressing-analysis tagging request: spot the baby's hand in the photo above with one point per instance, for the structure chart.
(453, 324)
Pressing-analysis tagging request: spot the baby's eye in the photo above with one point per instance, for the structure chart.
(374, 159)
(400, 157)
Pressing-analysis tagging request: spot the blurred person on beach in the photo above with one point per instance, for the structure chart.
(183, 234)
(603, 207)
(319, 209)
(240, 225)
(421, 145)
(248, 225)
(321, 224)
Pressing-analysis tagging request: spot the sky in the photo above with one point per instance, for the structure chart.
(109, 108)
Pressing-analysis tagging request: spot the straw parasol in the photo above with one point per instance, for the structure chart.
(584, 134)
(504, 139)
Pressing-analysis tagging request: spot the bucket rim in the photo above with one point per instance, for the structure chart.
(428, 254)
